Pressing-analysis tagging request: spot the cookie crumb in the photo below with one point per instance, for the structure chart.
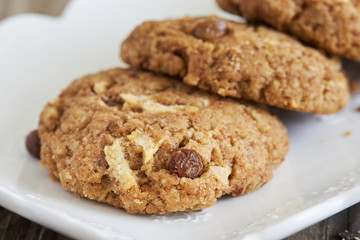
(346, 235)
(347, 133)
(354, 88)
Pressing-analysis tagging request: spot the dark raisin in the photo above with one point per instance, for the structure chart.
(238, 192)
(112, 101)
(186, 163)
(138, 110)
(33, 144)
(211, 29)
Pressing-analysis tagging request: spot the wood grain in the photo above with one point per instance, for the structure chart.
(14, 227)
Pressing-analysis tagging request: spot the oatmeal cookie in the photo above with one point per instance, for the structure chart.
(332, 25)
(151, 144)
(241, 61)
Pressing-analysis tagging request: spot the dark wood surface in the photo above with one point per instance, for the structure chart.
(13, 226)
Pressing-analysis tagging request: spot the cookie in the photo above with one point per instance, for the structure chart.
(151, 144)
(330, 25)
(241, 61)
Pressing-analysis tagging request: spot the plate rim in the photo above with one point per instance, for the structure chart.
(13, 202)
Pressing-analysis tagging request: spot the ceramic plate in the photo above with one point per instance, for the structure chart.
(40, 55)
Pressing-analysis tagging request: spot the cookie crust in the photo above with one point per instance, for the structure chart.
(327, 24)
(109, 137)
(254, 63)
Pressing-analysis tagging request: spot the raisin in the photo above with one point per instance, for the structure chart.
(33, 144)
(186, 163)
(211, 29)
(238, 192)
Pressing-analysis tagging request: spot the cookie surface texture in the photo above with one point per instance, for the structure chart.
(241, 61)
(332, 25)
(151, 144)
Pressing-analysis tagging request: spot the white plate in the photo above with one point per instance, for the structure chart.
(40, 55)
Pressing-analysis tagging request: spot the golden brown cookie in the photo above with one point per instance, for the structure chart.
(241, 61)
(332, 25)
(151, 144)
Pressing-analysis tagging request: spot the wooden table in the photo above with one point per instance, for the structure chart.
(13, 226)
